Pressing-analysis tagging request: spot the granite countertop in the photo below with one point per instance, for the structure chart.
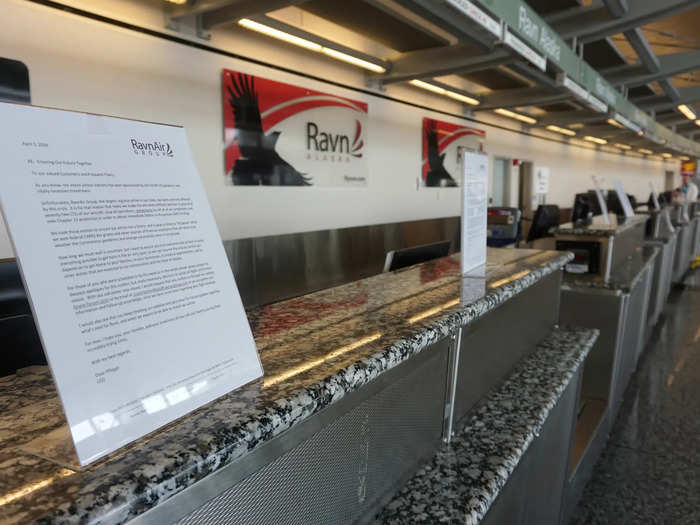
(623, 278)
(462, 481)
(315, 349)
(598, 228)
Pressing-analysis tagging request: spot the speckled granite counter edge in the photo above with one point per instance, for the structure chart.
(307, 401)
(465, 478)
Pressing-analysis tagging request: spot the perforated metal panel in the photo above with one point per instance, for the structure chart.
(344, 472)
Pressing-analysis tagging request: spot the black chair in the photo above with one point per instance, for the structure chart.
(19, 339)
(397, 259)
(546, 217)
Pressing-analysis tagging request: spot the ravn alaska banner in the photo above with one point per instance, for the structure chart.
(443, 144)
(277, 134)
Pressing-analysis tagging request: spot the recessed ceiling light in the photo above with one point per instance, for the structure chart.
(563, 131)
(595, 139)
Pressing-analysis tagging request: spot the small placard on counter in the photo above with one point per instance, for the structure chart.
(474, 209)
(130, 287)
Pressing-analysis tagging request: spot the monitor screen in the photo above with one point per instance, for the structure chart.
(397, 259)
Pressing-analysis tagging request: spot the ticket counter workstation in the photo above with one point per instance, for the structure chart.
(607, 285)
(661, 234)
(363, 384)
(686, 222)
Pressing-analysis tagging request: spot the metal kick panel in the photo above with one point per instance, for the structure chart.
(546, 460)
(633, 341)
(278, 267)
(605, 312)
(626, 243)
(347, 470)
(491, 346)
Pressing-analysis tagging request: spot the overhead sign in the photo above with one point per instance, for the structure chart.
(133, 295)
(528, 25)
(277, 134)
(524, 50)
(443, 145)
(474, 209)
(478, 16)
(574, 87)
(597, 104)
(689, 168)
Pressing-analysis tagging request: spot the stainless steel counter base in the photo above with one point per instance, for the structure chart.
(343, 464)
(339, 466)
(684, 245)
(620, 316)
(660, 281)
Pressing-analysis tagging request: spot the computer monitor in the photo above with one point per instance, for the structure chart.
(614, 204)
(18, 335)
(582, 210)
(397, 259)
(546, 217)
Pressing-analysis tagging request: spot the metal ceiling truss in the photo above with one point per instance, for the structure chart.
(596, 24)
(472, 49)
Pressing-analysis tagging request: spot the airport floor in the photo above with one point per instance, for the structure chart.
(650, 470)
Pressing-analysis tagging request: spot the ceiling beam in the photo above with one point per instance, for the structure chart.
(530, 96)
(597, 24)
(435, 62)
(220, 12)
(687, 95)
(565, 118)
(448, 18)
(669, 65)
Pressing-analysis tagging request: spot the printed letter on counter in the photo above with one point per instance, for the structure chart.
(133, 296)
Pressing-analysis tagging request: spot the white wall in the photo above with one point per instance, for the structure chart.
(81, 64)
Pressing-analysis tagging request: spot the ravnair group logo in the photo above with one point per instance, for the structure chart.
(442, 144)
(277, 134)
(153, 149)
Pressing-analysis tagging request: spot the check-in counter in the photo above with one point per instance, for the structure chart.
(687, 230)
(660, 234)
(607, 286)
(363, 384)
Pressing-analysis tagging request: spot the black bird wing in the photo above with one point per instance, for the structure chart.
(246, 113)
(437, 174)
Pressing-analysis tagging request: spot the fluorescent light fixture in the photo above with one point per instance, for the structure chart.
(442, 91)
(640, 132)
(429, 87)
(280, 35)
(353, 60)
(563, 131)
(697, 122)
(595, 139)
(177, 2)
(666, 155)
(516, 116)
(645, 151)
(462, 98)
(308, 44)
(685, 157)
(623, 146)
(615, 123)
(689, 113)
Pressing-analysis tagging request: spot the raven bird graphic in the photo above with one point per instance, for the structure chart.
(259, 163)
(437, 174)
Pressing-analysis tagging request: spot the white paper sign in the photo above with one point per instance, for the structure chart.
(624, 200)
(601, 200)
(133, 296)
(474, 209)
(654, 198)
(541, 180)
